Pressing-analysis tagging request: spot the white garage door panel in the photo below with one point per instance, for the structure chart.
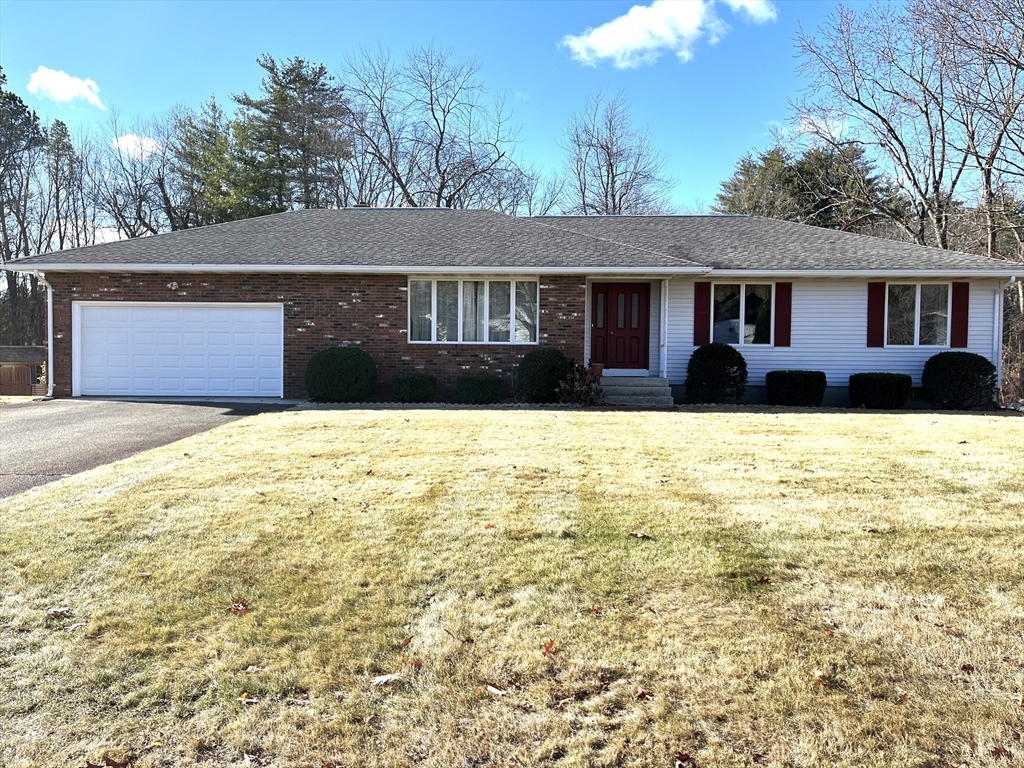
(180, 350)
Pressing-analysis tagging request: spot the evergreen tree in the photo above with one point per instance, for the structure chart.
(296, 131)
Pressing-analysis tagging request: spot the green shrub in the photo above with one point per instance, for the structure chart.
(478, 388)
(414, 388)
(340, 375)
(581, 386)
(716, 373)
(960, 380)
(795, 387)
(539, 374)
(880, 390)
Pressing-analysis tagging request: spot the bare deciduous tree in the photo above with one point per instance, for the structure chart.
(612, 166)
(425, 123)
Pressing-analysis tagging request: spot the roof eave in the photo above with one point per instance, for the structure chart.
(994, 272)
(349, 269)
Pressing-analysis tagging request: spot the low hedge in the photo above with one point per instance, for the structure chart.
(478, 389)
(716, 373)
(880, 390)
(960, 380)
(340, 375)
(540, 372)
(414, 388)
(802, 388)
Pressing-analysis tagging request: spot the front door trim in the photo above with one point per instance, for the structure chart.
(620, 326)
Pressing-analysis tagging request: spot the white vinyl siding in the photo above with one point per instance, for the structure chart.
(829, 333)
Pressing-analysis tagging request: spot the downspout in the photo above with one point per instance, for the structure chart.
(49, 334)
(997, 322)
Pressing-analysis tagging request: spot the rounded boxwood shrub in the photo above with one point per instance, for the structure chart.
(340, 375)
(716, 373)
(478, 388)
(414, 388)
(795, 387)
(960, 380)
(540, 372)
(880, 390)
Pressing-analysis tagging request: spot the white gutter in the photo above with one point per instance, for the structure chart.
(363, 270)
(509, 270)
(997, 325)
(898, 273)
(49, 333)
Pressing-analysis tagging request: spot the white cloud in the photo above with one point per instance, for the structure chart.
(759, 11)
(135, 146)
(646, 31)
(60, 86)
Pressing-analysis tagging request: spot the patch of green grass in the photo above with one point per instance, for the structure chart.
(770, 588)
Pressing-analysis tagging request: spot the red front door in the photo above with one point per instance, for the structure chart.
(620, 324)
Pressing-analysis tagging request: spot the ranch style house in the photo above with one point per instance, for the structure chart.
(238, 309)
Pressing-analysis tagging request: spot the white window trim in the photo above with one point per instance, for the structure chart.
(743, 306)
(917, 314)
(487, 309)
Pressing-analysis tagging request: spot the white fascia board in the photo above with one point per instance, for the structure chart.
(358, 270)
(994, 274)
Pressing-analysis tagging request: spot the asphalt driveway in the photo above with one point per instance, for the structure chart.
(45, 441)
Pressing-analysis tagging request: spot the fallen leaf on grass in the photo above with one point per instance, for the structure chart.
(681, 759)
(1001, 752)
(764, 580)
(968, 668)
(381, 680)
(549, 648)
(239, 606)
(644, 694)
(404, 643)
(903, 699)
(109, 761)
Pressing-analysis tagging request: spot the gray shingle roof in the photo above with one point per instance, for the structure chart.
(412, 239)
(28, 355)
(758, 243)
(399, 238)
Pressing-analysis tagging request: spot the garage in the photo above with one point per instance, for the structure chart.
(177, 349)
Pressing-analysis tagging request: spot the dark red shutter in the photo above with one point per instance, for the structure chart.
(701, 314)
(783, 313)
(876, 314)
(960, 315)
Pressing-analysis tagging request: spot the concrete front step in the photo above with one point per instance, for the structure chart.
(663, 401)
(634, 381)
(637, 391)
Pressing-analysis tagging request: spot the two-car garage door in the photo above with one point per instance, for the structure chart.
(177, 349)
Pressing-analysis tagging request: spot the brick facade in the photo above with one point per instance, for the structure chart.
(325, 310)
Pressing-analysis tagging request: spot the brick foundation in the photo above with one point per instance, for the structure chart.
(324, 310)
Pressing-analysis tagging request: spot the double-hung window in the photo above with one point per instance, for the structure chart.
(742, 313)
(473, 311)
(917, 314)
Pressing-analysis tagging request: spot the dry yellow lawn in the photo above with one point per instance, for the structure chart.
(807, 589)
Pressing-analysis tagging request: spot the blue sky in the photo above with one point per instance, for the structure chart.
(707, 77)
